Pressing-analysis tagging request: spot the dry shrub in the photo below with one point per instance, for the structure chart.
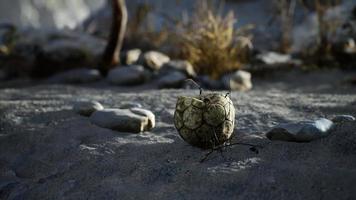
(141, 31)
(321, 53)
(285, 9)
(211, 42)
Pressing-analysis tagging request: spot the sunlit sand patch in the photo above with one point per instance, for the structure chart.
(233, 167)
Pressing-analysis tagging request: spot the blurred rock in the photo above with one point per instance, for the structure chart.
(174, 79)
(86, 108)
(154, 60)
(272, 58)
(206, 82)
(60, 52)
(131, 57)
(304, 131)
(238, 81)
(51, 51)
(122, 120)
(178, 65)
(343, 118)
(128, 75)
(76, 76)
(350, 46)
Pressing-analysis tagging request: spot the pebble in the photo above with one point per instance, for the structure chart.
(86, 108)
(304, 131)
(146, 113)
(131, 56)
(122, 120)
(343, 118)
(154, 60)
(238, 81)
(178, 65)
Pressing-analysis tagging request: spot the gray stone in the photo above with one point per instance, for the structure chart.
(146, 113)
(238, 81)
(128, 75)
(71, 49)
(304, 131)
(132, 56)
(178, 65)
(172, 80)
(76, 76)
(343, 118)
(122, 120)
(154, 60)
(129, 105)
(86, 108)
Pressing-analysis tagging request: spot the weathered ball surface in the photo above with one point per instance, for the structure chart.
(205, 121)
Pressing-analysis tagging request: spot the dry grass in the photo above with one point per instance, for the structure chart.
(285, 9)
(211, 42)
(141, 31)
(321, 52)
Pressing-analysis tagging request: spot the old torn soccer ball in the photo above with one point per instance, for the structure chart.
(205, 121)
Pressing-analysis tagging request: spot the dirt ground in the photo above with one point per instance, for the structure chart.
(49, 152)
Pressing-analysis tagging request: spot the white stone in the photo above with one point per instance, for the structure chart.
(238, 81)
(132, 56)
(128, 105)
(143, 112)
(122, 120)
(178, 65)
(274, 58)
(154, 60)
(86, 108)
(343, 119)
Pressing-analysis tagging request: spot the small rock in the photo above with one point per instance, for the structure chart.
(86, 108)
(128, 75)
(130, 105)
(131, 56)
(172, 80)
(350, 46)
(122, 120)
(146, 113)
(304, 131)
(238, 81)
(58, 51)
(343, 118)
(178, 65)
(272, 58)
(154, 60)
(76, 76)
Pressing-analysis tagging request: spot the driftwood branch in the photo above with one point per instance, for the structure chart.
(111, 55)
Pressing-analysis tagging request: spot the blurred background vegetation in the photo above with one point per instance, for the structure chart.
(40, 37)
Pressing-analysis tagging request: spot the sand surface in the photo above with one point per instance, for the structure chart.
(49, 152)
